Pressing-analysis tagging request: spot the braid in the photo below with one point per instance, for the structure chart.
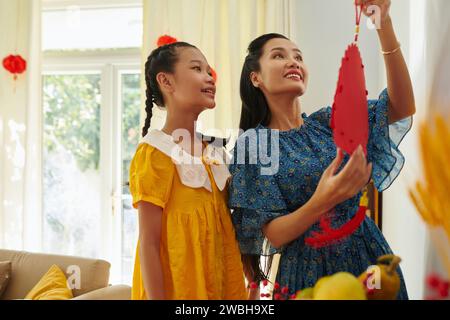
(149, 97)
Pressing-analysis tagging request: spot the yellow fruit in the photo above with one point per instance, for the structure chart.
(304, 294)
(319, 283)
(340, 286)
(389, 280)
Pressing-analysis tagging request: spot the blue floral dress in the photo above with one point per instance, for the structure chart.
(304, 154)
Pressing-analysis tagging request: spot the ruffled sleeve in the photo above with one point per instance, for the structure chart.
(151, 176)
(384, 140)
(256, 200)
(322, 117)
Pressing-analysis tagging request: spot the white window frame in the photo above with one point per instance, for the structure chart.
(111, 64)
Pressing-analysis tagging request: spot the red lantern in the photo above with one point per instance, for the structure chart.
(15, 64)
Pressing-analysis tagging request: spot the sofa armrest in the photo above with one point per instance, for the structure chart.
(116, 292)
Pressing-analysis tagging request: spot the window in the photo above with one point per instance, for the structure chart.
(75, 27)
(72, 179)
(91, 101)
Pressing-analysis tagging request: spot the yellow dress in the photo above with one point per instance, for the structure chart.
(199, 252)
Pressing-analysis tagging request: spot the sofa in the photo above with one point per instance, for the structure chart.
(27, 269)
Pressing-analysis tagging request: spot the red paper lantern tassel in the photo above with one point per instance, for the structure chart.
(330, 236)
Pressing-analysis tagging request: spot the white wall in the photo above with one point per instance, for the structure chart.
(323, 31)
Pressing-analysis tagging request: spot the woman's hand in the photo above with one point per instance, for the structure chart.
(334, 189)
(401, 95)
(384, 6)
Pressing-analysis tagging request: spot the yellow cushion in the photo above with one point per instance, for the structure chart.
(52, 286)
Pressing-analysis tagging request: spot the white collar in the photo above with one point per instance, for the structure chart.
(190, 169)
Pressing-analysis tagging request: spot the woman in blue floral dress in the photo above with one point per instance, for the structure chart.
(278, 200)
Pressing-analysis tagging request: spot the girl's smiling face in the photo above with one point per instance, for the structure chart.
(192, 84)
(282, 69)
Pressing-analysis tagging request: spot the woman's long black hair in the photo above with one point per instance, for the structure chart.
(255, 111)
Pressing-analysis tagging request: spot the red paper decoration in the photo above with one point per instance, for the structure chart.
(350, 125)
(439, 286)
(330, 235)
(15, 64)
(349, 117)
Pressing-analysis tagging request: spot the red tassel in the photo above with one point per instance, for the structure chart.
(330, 236)
(325, 224)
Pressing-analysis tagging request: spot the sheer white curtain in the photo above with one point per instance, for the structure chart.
(20, 128)
(430, 62)
(424, 32)
(438, 49)
(222, 30)
(439, 46)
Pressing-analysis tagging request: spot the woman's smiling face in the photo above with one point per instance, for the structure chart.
(282, 69)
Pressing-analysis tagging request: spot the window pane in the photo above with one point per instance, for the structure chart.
(130, 138)
(72, 198)
(77, 28)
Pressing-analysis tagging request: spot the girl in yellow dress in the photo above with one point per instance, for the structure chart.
(187, 248)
